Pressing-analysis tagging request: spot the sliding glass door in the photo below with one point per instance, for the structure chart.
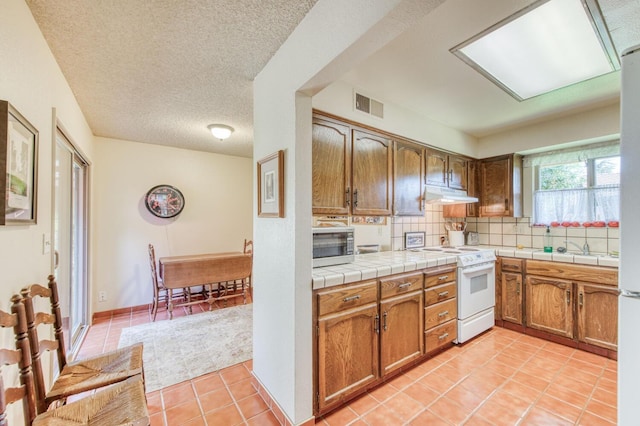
(70, 238)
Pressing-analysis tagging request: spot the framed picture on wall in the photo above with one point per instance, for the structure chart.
(271, 185)
(413, 240)
(19, 167)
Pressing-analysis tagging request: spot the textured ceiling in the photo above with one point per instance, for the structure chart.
(160, 71)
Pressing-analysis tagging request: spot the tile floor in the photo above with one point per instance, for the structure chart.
(500, 378)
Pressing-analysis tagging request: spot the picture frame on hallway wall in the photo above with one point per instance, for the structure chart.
(18, 167)
(271, 185)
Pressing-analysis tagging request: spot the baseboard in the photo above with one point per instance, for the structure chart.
(273, 405)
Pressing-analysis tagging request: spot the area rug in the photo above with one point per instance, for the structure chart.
(187, 347)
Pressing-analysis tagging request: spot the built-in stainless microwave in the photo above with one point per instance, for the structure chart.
(332, 245)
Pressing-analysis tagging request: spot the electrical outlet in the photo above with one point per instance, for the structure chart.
(102, 296)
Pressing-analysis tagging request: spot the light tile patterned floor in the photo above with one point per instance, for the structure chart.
(500, 378)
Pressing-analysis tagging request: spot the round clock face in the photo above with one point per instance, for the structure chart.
(164, 201)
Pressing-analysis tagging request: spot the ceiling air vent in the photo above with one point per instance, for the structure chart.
(369, 106)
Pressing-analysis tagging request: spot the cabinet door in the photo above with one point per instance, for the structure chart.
(598, 315)
(331, 174)
(495, 186)
(549, 305)
(407, 182)
(372, 177)
(401, 331)
(473, 189)
(347, 353)
(457, 172)
(436, 168)
(512, 297)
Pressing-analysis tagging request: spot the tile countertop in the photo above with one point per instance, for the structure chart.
(376, 265)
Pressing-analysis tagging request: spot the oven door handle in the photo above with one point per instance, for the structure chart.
(488, 267)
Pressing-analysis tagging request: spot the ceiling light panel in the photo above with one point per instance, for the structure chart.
(539, 50)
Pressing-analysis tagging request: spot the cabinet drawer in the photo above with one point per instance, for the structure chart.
(447, 275)
(347, 297)
(440, 313)
(440, 293)
(512, 265)
(400, 284)
(441, 335)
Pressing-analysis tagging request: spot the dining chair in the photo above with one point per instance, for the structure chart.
(248, 248)
(124, 403)
(77, 376)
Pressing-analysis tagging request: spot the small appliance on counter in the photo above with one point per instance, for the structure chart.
(473, 238)
(332, 245)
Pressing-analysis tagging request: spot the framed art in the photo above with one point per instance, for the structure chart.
(271, 185)
(413, 240)
(19, 167)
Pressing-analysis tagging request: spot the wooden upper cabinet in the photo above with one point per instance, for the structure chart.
(501, 186)
(407, 182)
(331, 167)
(436, 168)
(598, 315)
(473, 188)
(549, 305)
(444, 169)
(371, 174)
(457, 172)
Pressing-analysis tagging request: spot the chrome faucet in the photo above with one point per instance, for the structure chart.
(584, 248)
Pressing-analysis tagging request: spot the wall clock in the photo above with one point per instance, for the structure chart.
(164, 201)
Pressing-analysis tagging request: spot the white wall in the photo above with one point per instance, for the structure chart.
(217, 214)
(338, 99)
(32, 82)
(593, 125)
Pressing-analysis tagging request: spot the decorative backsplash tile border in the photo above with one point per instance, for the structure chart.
(506, 232)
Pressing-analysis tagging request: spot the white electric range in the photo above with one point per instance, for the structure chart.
(476, 288)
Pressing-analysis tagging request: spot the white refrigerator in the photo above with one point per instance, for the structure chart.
(629, 274)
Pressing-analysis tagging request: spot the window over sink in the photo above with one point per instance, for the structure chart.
(579, 187)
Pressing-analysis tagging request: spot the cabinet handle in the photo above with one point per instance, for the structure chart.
(506, 204)
(404, 285)
(355, 198)
(376, 324)
(351, 298)
(444, 336)
(444, 277)
(443, 294)
(384, 322)
(568, 297)
(581, 299)
(347, 196)
(450, 175)
(518, 288)
(443, 314)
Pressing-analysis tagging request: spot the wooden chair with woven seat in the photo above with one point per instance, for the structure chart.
(80, 375)
(248, 248)
(121, 404)
(160, 292)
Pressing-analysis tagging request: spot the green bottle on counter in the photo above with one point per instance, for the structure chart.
(548, 245)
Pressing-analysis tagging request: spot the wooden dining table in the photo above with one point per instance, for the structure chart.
(207, 270)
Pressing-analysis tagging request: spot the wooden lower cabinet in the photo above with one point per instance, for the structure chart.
(347, 353)
(512, 291)
(401, 334)
(441, 308)
(598, 315)
(549, 306)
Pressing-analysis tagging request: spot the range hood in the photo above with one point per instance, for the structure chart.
(440, 195)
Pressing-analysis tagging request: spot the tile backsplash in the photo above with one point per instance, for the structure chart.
(507, 232)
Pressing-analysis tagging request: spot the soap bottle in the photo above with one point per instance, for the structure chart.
(548, 245)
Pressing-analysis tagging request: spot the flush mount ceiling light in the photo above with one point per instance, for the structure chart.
(546, 46)
(220, 131)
